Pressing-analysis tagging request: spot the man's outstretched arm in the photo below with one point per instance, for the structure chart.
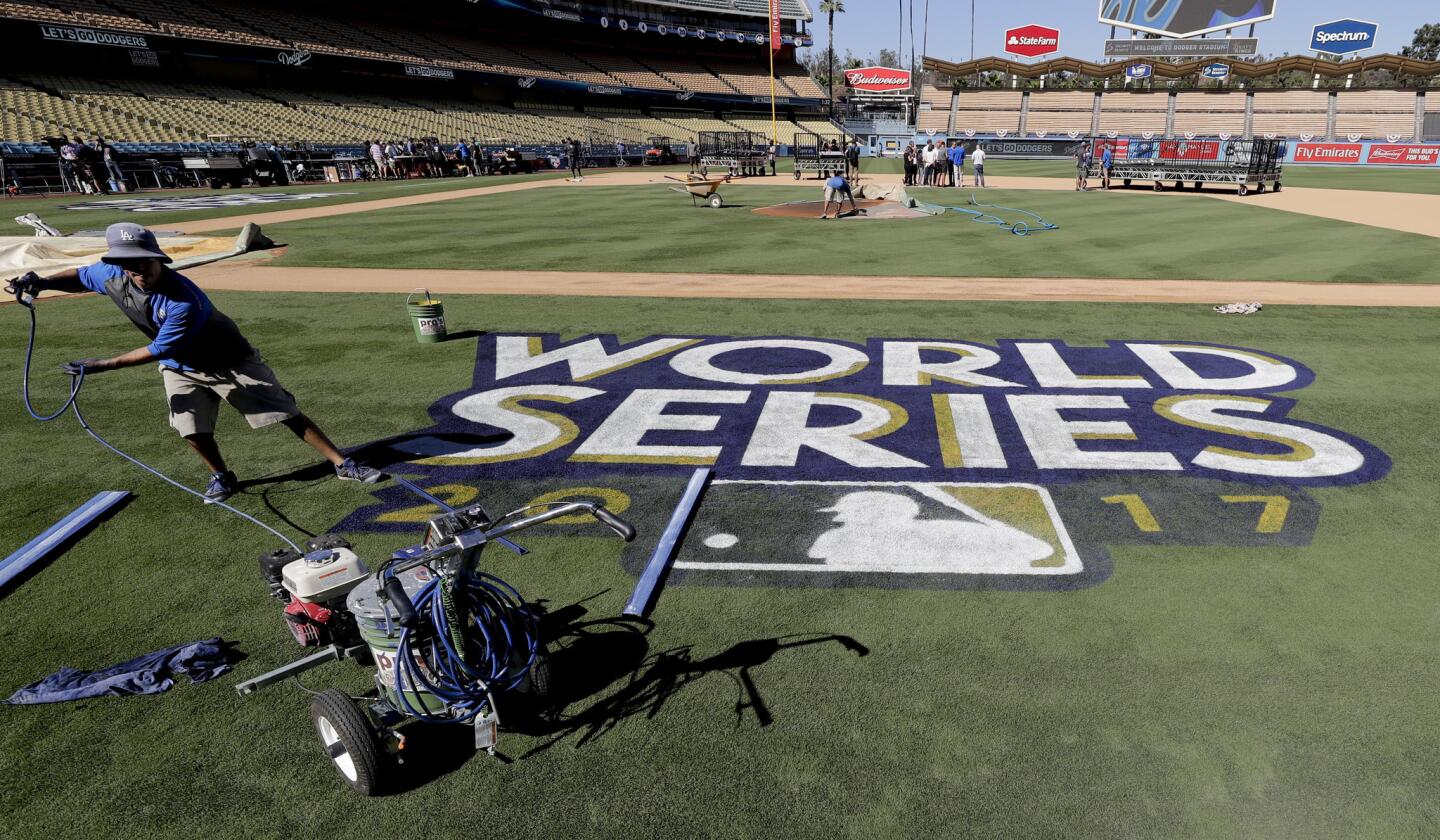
(66, 281)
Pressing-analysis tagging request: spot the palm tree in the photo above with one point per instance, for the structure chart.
(829, 8)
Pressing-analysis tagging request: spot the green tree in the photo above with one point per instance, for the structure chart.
(829, 8)
(1426, 45)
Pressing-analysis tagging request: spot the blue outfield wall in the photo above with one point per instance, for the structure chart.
(1360, 153)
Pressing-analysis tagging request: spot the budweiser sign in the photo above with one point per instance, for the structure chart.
(878, 79)
(1032, 40)
(1328, 153)
(1407, 155)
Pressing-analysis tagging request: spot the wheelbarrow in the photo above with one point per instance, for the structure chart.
(701, 189)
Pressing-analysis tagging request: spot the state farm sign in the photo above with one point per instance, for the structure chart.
(878, 79)
(1410, 155)
(1032, 40)
(1328, 153)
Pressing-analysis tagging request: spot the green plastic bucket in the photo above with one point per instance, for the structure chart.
(427, 317)
(380, 629)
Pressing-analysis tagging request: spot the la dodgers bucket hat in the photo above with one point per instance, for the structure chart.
(129, 241)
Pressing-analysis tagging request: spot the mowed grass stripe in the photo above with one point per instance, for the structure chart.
(649, 228)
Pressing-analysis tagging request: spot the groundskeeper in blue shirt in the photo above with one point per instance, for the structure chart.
(185, 330)
(204, 360)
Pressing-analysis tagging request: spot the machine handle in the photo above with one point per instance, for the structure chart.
(395, 592)
(624, 529)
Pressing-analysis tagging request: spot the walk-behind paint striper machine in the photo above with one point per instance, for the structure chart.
(445, 638)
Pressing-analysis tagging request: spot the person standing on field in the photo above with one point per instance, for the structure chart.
(202, 356)
(957, 164)
(576, 151)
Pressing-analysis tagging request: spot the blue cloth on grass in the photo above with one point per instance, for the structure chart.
(148, 674)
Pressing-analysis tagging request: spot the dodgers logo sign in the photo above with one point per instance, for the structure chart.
(921, 463)
(1339, 37)
(1184, 18)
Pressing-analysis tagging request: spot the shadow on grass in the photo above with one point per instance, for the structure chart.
(55, 551)
(386, 453)
(598, 674)
(602, 673)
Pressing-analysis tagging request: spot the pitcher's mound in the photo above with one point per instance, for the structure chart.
(869, 209)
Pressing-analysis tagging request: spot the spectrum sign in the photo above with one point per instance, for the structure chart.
(1032, 40)
(1339, 37)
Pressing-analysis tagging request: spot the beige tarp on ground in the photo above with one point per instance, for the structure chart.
(46, 255)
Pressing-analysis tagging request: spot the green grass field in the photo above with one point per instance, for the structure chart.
(1101, 235)
(1224, 682)
(1200, 692)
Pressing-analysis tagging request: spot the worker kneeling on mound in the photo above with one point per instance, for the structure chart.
(203, 356)
(838, 189)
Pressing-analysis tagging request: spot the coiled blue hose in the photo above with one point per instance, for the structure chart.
(465, 666)
(1019, 228)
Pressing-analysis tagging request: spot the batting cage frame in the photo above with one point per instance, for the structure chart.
(733, 151)
(1247, 164)
(811, 156)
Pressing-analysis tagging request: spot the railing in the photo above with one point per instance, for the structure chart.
(49, 177)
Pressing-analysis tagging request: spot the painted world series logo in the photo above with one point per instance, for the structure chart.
(941, 464)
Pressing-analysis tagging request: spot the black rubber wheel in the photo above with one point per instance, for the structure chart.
(1259, 188)
(1243, 190)
(349, 740)
(716, 201)
(540, 681)
(1277, 186)
(1179, 185)
(1159, 187)
(1127, 182)
(537, 683)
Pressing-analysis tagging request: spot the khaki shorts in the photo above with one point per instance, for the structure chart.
(837, 194)
(251, 387)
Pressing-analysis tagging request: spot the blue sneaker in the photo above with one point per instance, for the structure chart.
(222, 486)
(351, 471)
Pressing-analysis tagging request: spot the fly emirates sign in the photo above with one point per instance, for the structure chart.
(903, 409)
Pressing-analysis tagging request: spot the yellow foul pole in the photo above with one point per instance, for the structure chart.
(774, 134)
(774, 45)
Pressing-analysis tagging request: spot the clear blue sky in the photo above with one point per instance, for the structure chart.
(868, 25)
